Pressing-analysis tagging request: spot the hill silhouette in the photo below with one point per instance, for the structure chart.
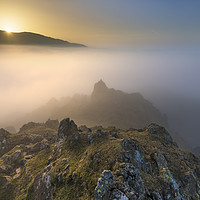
(28, 38)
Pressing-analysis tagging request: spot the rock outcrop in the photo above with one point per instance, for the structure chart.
(66, 128)
(96, 163)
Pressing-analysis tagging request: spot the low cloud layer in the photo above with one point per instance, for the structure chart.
(30, 76)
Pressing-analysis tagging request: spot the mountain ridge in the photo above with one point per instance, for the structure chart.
(105, 106)
(52, 160)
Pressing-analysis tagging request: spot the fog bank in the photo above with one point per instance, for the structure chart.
(30, 76)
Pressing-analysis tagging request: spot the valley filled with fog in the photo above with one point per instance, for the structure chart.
(169, 78)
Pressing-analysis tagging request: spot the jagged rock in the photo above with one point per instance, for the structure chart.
(130, 144)
(53, 124)
(105, 184)
(161, 161)
(132, 183)
(173, 187)
(91, 139)
(134, 155)
(41, 188)
(66, 128)
(84, 128)
(118, 195)
(100, 133)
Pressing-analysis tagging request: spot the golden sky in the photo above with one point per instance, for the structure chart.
(95, 22)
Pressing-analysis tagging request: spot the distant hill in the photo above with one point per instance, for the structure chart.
(28, 38)
(106, 107)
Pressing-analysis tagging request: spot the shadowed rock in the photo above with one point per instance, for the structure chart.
(67, 127)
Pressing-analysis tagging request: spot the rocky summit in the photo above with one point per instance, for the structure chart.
(52, 160)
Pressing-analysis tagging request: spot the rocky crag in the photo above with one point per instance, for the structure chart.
(62, 161)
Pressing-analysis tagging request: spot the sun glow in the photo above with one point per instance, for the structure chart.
(9, 26)
(9, 29)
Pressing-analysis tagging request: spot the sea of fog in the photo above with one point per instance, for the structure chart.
(30, 76)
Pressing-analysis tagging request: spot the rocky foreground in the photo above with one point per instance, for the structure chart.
(55, 160)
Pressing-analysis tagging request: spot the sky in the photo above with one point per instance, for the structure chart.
(106, 22)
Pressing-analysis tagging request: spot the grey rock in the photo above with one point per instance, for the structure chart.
(132, 183)
(105, 184)
(161, 161)
(133, 154)
(91, 139)
(118, 195)
(156, 196)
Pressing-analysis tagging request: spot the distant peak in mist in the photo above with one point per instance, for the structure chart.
(100, 86)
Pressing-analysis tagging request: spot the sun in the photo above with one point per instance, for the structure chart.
(8, 30)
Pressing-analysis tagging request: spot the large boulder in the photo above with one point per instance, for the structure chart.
(67, 127)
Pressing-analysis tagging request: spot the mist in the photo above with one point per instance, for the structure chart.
(30, 76)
